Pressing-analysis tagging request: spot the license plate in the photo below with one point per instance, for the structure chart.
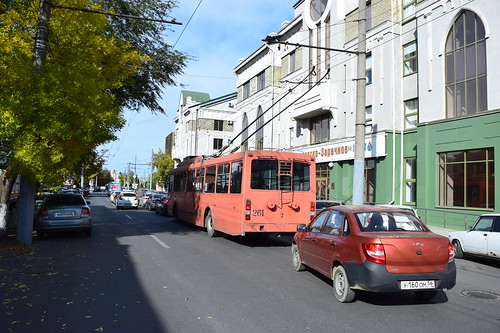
(64, 214)
(409, 285)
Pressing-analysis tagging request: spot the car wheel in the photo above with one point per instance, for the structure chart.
(209, 224)
(297, 264)
(426, 294)
(459, 253)
(343, 293)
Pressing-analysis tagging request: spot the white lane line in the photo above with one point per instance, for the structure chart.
(160, 242)
(128, 217)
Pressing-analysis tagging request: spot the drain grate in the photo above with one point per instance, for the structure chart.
(481, 294)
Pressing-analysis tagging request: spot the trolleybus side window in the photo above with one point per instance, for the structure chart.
(236, 171)
(210, 179)
(180, 182)
(198, 181)
(223, 178)
(190, 181)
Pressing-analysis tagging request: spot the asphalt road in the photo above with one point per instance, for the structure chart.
(141, 272)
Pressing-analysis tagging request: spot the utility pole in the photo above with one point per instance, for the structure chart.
(359, 141)
(26, 205)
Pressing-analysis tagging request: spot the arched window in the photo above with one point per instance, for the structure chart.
(466, 90)
(244, 135)
(259, 136)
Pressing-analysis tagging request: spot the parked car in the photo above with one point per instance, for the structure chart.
(320, 204)
(63, 211)
(150, 203)
(161, 205)
(374, 249)
(127, 200)
(482, 239)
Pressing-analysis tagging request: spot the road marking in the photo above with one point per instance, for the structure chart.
(160, 242)
(128, 217)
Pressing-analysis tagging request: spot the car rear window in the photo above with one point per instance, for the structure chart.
(129, 194)
(388, 221)
(157, 196)
(64, 200)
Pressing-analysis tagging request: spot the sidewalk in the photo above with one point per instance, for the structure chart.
(440, 231)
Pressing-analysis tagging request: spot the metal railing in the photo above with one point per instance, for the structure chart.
(446, 219)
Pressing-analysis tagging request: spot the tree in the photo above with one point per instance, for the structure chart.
(163, 163)
(53, 116)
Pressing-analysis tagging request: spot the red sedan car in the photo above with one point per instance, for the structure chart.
(376, 249)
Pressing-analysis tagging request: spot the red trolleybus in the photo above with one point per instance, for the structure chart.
(246, 192)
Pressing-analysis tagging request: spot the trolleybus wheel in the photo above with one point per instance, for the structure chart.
(209, 224)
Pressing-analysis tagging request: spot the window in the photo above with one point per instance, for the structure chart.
(408, 9)
(410, 58)
(466, 179)
(210, 180)
(369, 68)
(222, 178)
(368, 15)
(217, 143)
(410, 180)
(465, 64)
(411, 113)
(292, 62)
(246, 90)
(261, 81)
(259, 135)
(198, 181)
(190, 182)
(280, 175)
(218, 125)
(236, 171)
(244, 134)
(320, 128)
(333, 224)
(317, 223)
(368, 119)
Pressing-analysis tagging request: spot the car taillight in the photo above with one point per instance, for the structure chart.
(42, 212)
(451, 253)
(375, 253)
(248, 209)
(120, 197)
(312, 210)
(85, 211)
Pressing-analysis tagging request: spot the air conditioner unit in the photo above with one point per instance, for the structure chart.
(230, 122)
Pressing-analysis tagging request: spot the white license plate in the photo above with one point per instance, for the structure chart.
(409, 285)
(64, 214)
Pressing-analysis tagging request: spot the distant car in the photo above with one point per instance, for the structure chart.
(85, 191)
(150, 203)
(374, 249)
(483, 239)
(144, 199)
(161, 205)
(320, 204)
(127, 200)
(61, 212)
(113, 196)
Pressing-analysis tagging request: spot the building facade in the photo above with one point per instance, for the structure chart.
(432, 118)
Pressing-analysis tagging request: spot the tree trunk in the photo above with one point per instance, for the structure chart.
(7, 185)
(25, 211)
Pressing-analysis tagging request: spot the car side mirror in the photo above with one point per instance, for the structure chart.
(301, 228)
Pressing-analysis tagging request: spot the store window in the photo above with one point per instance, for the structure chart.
(322, 181)
(410, 180)
(465, 66)
(466, 179)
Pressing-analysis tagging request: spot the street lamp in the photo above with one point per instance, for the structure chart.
(359, 142)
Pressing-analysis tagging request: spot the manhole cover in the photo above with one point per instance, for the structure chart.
(480, 294)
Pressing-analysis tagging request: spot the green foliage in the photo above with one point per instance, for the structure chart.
(163, 163)
(53, 116)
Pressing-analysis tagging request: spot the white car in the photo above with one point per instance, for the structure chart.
(483, 239)
(127, 200)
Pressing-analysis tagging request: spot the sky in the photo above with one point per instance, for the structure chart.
(219, 33)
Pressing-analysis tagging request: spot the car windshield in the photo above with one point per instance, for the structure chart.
(388, 221)
(64, 200)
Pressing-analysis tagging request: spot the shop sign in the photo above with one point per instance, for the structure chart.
(344, 150)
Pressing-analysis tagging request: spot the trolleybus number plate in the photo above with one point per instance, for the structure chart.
(258, 212)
